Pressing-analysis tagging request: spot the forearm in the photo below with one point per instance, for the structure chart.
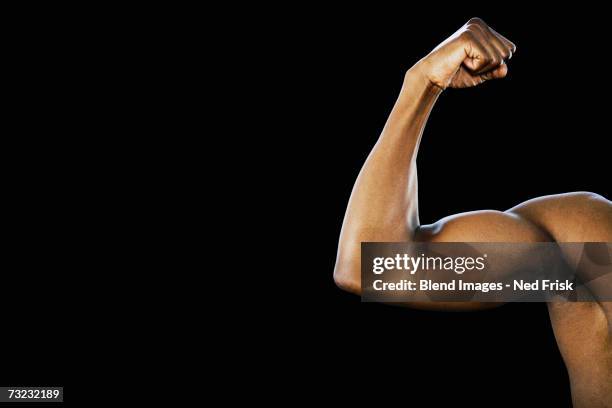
(384, 202)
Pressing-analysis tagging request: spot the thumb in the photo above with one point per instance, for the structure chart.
(476, 57)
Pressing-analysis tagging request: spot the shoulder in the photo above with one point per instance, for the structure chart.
(578, 200)
(571, 217)
(577, 216)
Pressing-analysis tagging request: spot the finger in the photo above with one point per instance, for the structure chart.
(504, 50)
(496, 57)
(497, 73)
(506, 41)
(481, 24)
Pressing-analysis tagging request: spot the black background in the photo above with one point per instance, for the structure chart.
(38, 155)
(542, 130)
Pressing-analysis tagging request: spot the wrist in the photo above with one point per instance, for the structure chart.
(417, 79)
(417, 76)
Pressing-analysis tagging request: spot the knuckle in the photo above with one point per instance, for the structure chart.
(476, 20)
(467, 35)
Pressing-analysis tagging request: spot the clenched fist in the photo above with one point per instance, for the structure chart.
(474, 54)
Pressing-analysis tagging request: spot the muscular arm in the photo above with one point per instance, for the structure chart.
(384, 207)
(384, 202)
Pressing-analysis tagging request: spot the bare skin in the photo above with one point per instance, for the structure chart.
(384, 207)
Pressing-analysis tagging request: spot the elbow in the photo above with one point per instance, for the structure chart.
(347, 279)
(347, 271)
